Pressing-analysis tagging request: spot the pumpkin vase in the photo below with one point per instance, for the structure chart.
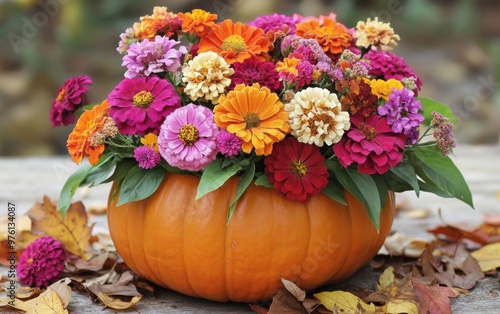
(186, 245)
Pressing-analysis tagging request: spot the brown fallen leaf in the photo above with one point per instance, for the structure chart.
(433, 299)
(27, 292)
(285, 303)
(111, 302)
(456, 234)
(72, 231)
(259, 309)
(95, 264)
(298, 293)
(122, 286)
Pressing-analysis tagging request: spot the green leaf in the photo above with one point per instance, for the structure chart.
(440, 171)
(214, 176)
(123, 166)
(245, 180)
(404, 171)
(100, 171)
(139, 184)
(262, 180)
(381, 187)
(69, 188)
(335, 191)
(431, 105)
(171, 169)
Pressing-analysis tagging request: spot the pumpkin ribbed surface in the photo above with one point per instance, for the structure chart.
(185, 244)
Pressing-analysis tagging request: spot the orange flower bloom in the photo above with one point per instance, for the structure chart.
(161, 22)
(332, 36)
(197, 21)
(255, 115)
(235, 42)
(86, 138)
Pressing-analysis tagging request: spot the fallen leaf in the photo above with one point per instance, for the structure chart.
(488, 256)
(72, 231)
(22, 223)
(63, 290)
(95, 264)
(433, 299)
(457, 234)
(399, 244)
(258, 309)
(490, 226)
(111, 302)
(285, 303)
(27, 292)
(298, 293)
(122, 286)
(7, 256)
(47, 302)
(345, 302)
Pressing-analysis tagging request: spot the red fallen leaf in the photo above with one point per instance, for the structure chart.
(433, 299)
(457, 234)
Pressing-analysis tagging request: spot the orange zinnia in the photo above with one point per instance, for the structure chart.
(197, 21)
(332, 36)
(255, 115)
(235, 42)
(82, 141)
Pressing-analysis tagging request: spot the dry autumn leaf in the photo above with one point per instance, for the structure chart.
(111, 302)
(285, 303)
(488, 256)
(344, 302)
(457, 234)
(399, 244)
(72, 231)
(298, 293)
(433, 299)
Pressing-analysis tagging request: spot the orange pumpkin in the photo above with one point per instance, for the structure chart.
(185, 244)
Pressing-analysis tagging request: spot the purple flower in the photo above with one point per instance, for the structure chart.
(413, 136)
(275, 23)
(146, 157)
(187, 138)
(253, 71)
(402, 111)
(70, 97)
(228, 143)
(147, 57)
(140, 105)
(389, 66)
(126, 39)
(443, 133)
(41, 263)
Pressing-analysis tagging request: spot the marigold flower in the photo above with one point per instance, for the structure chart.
(296, 170)
(70, 97)
(333, 37)
(255, 115)
(41, 263)
(235, 42)
(382, 89)
(316, 117)
(87, 137)
(375, 33)
(197, 21)
(207, 77)
(161, 22)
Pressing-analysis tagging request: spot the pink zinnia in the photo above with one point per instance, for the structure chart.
(70, 97)
(228, 143)
(254, 71)
(187, 138)
(41, 263)
(371, 144)
(139, 106)
(146, 157)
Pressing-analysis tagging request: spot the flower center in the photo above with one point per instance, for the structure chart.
(369, 131)
(252, 120)
(61, 95)
(299, 168)
(30, 260)
(234, 42)
(143, 99)
(188, 134)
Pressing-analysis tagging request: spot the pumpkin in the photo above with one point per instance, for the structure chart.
(186, 245)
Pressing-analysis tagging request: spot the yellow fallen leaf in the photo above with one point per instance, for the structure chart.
(111, 302)
(47, 302)
(488, 256)
(63, 290)
(401, 306)
(344, 302)
(386, 279)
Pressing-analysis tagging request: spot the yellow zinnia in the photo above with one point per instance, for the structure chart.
(255, 115)
(382, 89)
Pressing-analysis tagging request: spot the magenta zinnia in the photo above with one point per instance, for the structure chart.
(371, 144)
(41, 263)
(146, 157)
(187, 138)
(297, 170)
(70, 97)
(139, 106)
(254, 71)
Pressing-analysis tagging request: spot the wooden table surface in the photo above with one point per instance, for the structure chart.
(24, 181)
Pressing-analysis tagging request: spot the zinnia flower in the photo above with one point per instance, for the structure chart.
(276, 23)
(255, 115)
(333, 37)
(371, 144)
(89, 133)
(187, 138)
(375, 33)
(207, 77)
(140, 105)
(162, 23)
(382, 89)
(295, 72)
(228, 143)
(70, 97)
(147, 57)
(443, 133)
(356, 96)
(254, 71)
(41, 263)
(316, 117)
(146, 157)
(235, 42)
(402, 111)
(296, 170)
(199, 22)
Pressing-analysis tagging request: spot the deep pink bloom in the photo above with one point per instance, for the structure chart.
(228, 143)
(139, 106)
(70, 97)
(276, 23)
(41, 263)
(297, 170)
(187, 138)
(146, 157)
(371, 144)
(254, 71)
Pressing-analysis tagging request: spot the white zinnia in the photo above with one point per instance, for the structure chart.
(207, 77)
(316, 117)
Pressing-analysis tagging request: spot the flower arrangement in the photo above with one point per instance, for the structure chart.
(302, 105)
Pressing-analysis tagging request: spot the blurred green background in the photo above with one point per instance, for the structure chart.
(453, 45)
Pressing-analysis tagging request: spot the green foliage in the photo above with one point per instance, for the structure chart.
(430, 105)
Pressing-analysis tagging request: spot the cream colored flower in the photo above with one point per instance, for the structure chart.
(207, 77)
(375, 33)
(316, 117)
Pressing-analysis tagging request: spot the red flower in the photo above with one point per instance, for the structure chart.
(70, 97)
(371, 144)
(297, 170)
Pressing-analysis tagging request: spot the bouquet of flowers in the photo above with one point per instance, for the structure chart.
(302, 105)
